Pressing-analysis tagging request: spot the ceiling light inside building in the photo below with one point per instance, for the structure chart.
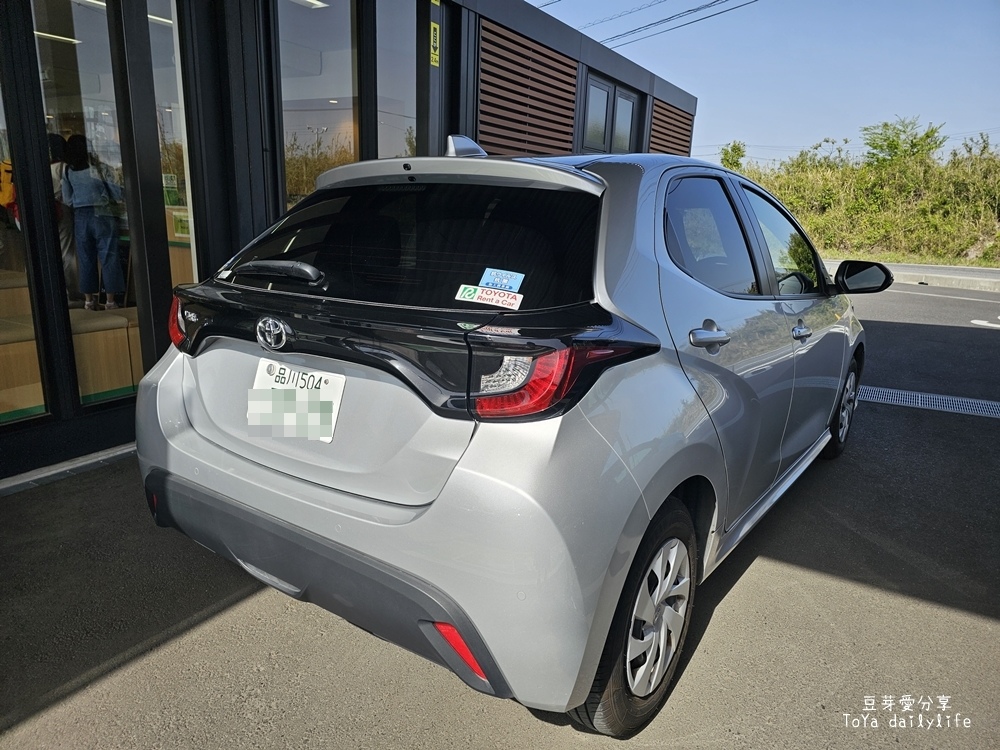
(57, 38)
(155, 19)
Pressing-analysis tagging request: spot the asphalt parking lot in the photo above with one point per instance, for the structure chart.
(876, 579)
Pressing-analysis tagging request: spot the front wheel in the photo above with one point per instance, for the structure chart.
(648, 631)
(843, 418)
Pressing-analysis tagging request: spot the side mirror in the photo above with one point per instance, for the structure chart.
(862, 277)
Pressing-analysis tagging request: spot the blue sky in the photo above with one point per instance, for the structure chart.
(781, 75)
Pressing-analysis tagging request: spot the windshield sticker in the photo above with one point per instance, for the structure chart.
(487, 296)
(509, 281)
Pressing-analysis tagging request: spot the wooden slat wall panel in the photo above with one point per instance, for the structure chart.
(671, 131)
(527, 95)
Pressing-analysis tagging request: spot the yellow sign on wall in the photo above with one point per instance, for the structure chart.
(435, 44)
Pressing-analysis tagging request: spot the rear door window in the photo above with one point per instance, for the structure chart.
(436, 245)
(703, 236)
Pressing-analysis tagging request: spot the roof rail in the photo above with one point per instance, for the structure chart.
(460, 145)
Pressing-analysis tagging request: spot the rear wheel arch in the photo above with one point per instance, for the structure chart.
(698, 495)
(859, 356)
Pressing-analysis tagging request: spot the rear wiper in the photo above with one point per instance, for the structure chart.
(289, 269)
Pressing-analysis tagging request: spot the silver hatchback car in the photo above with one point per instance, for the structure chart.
(507, 413)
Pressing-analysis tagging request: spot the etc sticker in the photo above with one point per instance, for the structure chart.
(484, 295)
(497, 279)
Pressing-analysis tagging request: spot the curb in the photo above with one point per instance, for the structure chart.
(955, 282)
(55, 472)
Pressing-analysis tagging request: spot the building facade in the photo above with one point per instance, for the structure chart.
(143, 142)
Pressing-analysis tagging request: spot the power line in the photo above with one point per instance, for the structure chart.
(682, 25)
(599, 21)
(668, 19)
(550, 2)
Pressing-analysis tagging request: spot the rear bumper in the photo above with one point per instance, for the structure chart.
(530, 539)
(379, 598)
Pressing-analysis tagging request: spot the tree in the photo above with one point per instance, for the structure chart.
(410, 139)
(890, 142)
(732, 155)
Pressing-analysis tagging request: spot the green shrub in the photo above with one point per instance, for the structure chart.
(900, 201)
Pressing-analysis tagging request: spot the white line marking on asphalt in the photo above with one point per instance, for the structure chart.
(985, 323)
(944, 296)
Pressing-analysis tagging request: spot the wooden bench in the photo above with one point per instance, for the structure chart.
(106, 349)
(14, 298)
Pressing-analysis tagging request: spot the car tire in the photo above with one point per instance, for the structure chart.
(843, 417)
(641, 653)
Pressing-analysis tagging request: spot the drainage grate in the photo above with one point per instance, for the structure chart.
(955, 404)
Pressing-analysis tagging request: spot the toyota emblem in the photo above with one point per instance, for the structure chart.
(272, 333)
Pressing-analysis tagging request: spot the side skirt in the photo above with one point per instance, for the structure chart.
(750, 519)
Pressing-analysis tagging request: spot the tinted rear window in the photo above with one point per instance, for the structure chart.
(424, 245)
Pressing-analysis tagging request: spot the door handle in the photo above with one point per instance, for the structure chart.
(801, 332)
(709, 337)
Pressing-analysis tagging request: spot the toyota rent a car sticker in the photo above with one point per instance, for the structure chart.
(497, 287)
(485, 295)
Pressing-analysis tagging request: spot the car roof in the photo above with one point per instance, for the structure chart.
(646, 161)
(545, 169)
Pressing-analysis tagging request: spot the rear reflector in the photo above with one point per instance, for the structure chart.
(454, 638)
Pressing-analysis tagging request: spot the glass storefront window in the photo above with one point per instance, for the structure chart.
(165, 47)
(81, 117)
(21, 393)
(318, 90)
(396, 55)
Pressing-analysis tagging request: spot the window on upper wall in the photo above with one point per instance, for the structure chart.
(625, 106)
(610, 123)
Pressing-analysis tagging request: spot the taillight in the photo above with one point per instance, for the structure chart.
(529, 385)
(538, 384)
(175, 324)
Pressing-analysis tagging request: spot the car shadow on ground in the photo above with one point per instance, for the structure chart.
(90, 582)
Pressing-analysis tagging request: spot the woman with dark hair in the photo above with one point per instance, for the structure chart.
(96, 201)
(64, 217)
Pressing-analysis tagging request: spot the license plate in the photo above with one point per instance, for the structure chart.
(290, 401)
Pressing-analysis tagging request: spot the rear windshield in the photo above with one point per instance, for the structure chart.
(439, 245)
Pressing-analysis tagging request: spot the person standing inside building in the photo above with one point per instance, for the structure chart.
(64, 219)
(96, 201)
